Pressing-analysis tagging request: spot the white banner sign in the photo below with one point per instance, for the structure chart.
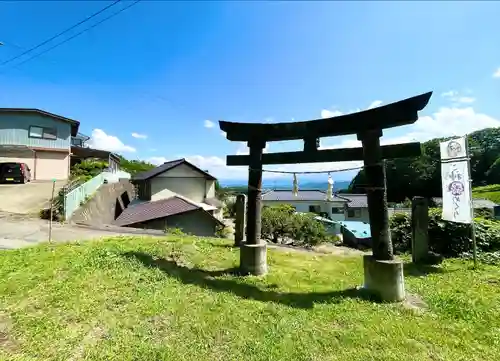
(453, 148)
(456, 192)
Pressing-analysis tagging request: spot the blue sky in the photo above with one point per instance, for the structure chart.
(162, 69)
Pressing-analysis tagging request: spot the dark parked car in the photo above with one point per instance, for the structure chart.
(14, 172)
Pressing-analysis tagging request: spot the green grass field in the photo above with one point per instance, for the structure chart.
(176, 299)
(491, 192)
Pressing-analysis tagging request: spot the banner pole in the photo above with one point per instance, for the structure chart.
(472, 226)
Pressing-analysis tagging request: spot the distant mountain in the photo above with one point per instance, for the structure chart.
(306, 181)
(338, 185)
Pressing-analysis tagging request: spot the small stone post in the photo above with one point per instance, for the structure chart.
(253, 253)
(382, 273)
(239, 223)
(420, 229)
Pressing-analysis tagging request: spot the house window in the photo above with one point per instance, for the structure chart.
(76, 142)
(314, 209)
(336, 210)
(354, 213)
(42, 132)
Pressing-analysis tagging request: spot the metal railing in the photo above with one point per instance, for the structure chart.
(74, 198)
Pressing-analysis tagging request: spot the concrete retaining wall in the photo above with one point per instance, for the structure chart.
(105, 205)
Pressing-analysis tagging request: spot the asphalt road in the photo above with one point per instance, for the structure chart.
(18, 231)
(27, 198)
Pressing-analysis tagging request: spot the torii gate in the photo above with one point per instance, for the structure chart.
(383, 274)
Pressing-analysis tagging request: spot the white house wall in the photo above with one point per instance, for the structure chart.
(160, 189)
(303, 206)
(362, 215)
(181, 180)
(210, 188)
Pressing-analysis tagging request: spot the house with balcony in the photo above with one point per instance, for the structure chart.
(80, 151)
(38, 138)
(176, 194)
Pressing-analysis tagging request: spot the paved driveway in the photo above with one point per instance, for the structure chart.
(26, 198)
(17, 230)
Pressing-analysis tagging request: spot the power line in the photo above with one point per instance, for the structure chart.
(146, 94)
(78, 34)
(59, 34)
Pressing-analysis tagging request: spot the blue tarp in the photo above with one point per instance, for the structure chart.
(358, 229)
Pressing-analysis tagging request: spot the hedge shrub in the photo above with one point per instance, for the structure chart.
(280, 223)
(446, 238)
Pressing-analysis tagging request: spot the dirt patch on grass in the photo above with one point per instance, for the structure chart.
(325, 249)
(7, 341)
(414, 303)
(91, 338)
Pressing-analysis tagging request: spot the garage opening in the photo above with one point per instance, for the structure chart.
(19, 154)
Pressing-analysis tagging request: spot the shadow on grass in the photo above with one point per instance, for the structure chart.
(209, 280)
(421, 270)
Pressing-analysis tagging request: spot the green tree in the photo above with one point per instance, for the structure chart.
(134, 166)
(493, 174)
(87, 169)
(421, 176)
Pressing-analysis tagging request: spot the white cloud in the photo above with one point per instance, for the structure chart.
(208, 124)
(466, 100)
(100, 140)
(375, 103)
(223, 134)
(496, 74)
(448, 121)
(457, 99)
(156, 160)
(325, 113)
(449, 93)
(139, 136)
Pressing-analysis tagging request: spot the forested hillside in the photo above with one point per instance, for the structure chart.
(421, 176)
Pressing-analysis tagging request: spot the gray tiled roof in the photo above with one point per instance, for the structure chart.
(153, 210)
(303, 195)
(167, 166)
(353, 200)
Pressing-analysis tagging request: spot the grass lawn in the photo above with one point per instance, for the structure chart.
(167, 299)
(491, 192)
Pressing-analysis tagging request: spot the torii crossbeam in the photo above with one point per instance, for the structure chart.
(368, 126)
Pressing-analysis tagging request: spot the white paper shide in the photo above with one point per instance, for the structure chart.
(456, 191)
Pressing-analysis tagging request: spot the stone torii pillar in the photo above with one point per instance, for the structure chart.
(383, 274)
(253, 253)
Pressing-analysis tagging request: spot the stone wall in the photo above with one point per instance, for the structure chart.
(106, 204)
